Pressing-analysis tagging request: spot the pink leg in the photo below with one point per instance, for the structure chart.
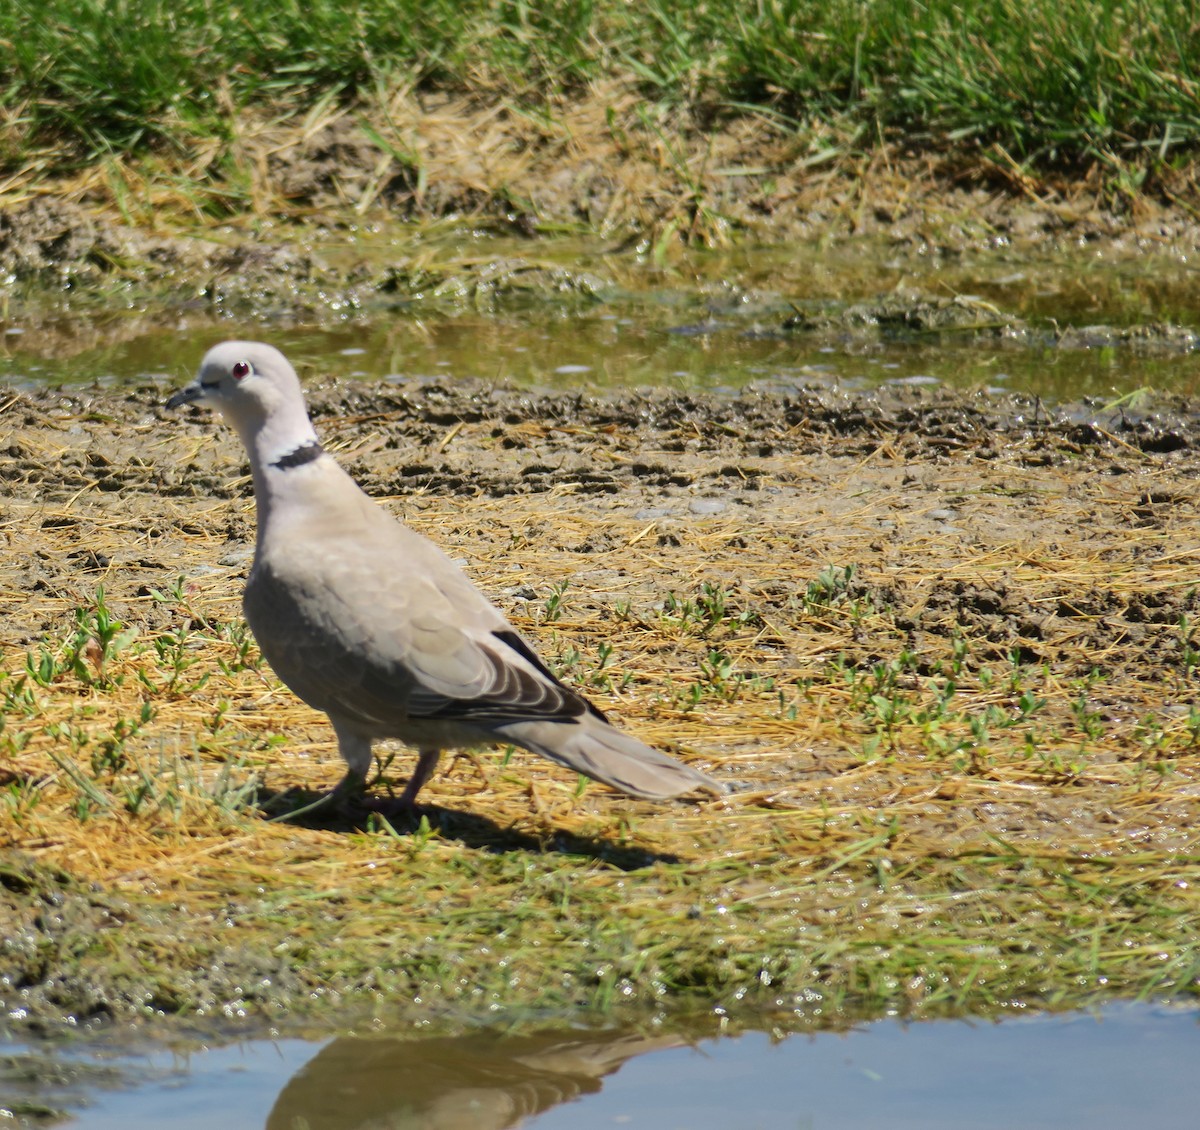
(426, 763)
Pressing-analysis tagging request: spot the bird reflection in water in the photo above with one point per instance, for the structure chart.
(481, 1081)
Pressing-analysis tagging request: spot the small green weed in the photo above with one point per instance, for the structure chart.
(98, 638)
(706, 612)
(555, 603)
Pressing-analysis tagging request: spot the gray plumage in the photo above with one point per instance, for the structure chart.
(371, 623)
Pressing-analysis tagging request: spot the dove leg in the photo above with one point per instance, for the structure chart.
(356, 752)
(426, 763)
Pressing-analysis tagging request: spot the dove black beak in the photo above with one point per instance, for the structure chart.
(192, 392)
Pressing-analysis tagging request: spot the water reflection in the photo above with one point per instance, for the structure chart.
(475, 1082)
(1129, 1065)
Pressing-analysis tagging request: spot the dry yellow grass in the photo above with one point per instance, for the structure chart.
(951, 680)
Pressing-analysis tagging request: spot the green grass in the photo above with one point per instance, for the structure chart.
(1052, 84)
(850, 910)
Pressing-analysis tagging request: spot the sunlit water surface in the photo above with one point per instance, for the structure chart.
(708, 320)
(1129, 1065)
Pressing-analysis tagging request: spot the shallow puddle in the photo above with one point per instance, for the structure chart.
(1126, 1065)
(710, 320)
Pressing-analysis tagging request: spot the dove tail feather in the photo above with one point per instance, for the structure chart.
(602, 752)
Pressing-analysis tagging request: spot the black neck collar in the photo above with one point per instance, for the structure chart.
(306, 453)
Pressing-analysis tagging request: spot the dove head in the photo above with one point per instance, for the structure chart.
(257, 391)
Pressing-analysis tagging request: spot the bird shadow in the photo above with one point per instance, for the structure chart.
(302, 808)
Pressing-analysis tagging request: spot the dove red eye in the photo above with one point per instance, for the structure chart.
(240, 369)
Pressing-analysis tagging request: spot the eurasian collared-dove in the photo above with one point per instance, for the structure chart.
(373, 624)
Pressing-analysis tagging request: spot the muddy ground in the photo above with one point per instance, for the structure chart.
(813, 471)
(1058, 542)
